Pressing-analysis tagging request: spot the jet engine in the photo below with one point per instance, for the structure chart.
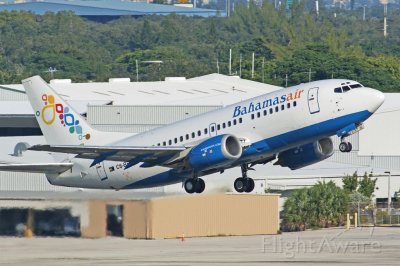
(215, 152)
(306, 154)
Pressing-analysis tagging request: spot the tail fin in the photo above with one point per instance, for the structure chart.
(60, 124)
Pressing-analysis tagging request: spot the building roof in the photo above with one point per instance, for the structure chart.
(106, 8)
(213, 89)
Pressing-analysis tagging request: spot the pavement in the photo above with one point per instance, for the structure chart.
(368, 246)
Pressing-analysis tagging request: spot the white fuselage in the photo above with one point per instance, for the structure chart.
(267, 124)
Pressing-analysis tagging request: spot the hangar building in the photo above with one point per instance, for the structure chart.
(104, 10)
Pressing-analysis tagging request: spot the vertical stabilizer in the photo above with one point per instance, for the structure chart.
(60, 124)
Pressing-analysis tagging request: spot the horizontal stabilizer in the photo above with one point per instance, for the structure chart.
(47, 168)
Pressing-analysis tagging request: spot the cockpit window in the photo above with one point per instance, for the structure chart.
(338, 90)
(355, 86)
(346, 88)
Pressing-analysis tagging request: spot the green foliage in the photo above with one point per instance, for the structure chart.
(322, 205)
(367, 185)
(288, 43)
(350, 182)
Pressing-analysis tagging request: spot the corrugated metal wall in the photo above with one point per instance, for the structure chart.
(142, 118)
(10, 95)
(15, 181)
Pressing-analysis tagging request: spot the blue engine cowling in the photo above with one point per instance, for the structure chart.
(306, 155)
(214, 152)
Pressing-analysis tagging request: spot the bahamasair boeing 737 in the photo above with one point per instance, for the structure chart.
(291, 126)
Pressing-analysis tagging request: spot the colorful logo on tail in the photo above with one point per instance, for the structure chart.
(52, 111)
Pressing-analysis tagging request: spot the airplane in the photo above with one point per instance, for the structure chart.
(292, 126)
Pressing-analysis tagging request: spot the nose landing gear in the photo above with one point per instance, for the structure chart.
(244, 183)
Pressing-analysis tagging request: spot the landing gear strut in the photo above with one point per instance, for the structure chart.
(193, 185)
(244, 183)
(345, 146)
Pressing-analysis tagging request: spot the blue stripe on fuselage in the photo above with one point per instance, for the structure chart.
(271, 145)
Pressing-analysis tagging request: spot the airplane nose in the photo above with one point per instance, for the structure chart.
(375, 99)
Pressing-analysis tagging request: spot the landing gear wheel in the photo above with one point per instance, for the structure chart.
(250, 185)
(239, 185)
(200, 186)
(190, 186)
(345, 147)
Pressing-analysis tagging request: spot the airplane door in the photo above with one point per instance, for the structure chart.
(313, 104)
(101, 171)
(212, 129)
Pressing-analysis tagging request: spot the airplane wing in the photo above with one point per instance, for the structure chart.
(133, 155)
(49, 168)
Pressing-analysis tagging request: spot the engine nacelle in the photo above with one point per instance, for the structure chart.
(214, 152)
(307, 154)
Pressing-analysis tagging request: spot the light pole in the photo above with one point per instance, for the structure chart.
(389, 196)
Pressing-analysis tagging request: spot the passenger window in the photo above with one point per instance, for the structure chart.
(234, 122)
(271, 110)
(199, 133)
(193, 135)
(240, 120)
(338, 90)
(276, 109)
(288, 105)
(164, 143)
(170, 142)
(181, 138)
(206, 131)
(175, 140)
(265, 112)
(212, 129)
(218, 127)
(229, 123)
(158, 144)
(187, 136)
(223, 125)
(294, 104)
(258, 114)
(252, 116)
(282, 107)
(346, 88)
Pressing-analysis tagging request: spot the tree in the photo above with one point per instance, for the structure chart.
(350, 183)
(367, 185)
(323, 205)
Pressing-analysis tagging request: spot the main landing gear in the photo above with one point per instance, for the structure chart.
(345, 146)
(193, 185)
(244, 183)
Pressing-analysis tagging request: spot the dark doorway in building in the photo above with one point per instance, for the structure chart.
(56, 222)
(114, 220)
(13, 221)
